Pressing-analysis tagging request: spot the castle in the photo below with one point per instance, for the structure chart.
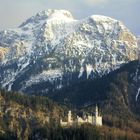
(95, 120)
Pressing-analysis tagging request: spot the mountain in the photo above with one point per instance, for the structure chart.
(52, 49)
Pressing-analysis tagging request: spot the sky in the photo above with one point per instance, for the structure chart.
(14, 12)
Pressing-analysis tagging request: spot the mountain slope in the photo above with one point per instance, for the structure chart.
(52, 48)
(26, 117)
(20, 114)
(117, 93)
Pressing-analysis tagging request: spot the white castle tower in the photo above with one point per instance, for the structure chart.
(96, 110)
(69, 121)
(69, 117)
(97, 119)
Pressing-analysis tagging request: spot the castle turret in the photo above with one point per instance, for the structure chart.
(97, 119)
(69, 117)
(96, 111)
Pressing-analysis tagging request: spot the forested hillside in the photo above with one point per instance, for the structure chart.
(116, 93)
(21, 114)
(37, 118)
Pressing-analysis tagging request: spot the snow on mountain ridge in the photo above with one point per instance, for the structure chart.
(96, 43)
(49, 15)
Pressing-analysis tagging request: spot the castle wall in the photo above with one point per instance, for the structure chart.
(95, 120)
(80, 120)
(90, 119)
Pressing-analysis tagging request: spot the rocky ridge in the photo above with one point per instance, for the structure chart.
(54, 48)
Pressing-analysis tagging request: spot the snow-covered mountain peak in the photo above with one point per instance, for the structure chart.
(102, 18)
(108, 23)
(59, 14)
(48, 15)
(65, 48)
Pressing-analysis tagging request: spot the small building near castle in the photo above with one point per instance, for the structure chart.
(95, 120)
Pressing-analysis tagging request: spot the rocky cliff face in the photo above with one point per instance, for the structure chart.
(51, 49)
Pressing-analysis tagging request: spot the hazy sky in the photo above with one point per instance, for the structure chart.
(14, 12)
